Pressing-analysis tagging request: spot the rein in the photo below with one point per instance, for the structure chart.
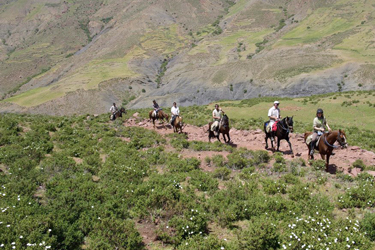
(332, 146)
(282, 126)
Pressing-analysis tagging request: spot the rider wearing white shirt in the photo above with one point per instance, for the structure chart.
(274, 115)
(113, 110)
(175, 112)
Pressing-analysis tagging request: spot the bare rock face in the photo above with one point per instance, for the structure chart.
(94, 28)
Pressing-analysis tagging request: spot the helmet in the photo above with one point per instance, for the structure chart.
(319, 111)
(276, 102)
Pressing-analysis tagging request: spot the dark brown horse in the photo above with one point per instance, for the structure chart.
(223, 129)
(284, 127)
(117, 114)
(178, 124)
(160, 116)
(325, 146)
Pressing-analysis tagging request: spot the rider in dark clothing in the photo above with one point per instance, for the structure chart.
(156, 107)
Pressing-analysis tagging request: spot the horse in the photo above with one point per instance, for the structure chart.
(117, 114)
(325, 145)
(284, 126)
(161, 115)
(223, 129)
(177, 124)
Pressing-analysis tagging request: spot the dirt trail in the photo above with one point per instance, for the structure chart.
(254, 140)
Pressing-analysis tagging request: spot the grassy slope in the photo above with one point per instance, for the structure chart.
(347, 24)
(358, 114)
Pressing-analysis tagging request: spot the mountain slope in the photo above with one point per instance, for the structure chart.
(65, 57)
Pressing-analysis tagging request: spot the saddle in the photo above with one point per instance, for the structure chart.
(309, 140)
(274, 126)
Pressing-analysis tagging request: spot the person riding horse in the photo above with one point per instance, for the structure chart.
(320, 125)
(156, 108)
(175, 112)
(274, 115)
(217, 114)
(113, 111)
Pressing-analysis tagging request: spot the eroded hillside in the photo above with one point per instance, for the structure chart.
(64, 57)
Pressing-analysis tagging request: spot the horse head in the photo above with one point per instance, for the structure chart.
(289, 123)
(225, 121)
(341, 138)
(122, 110)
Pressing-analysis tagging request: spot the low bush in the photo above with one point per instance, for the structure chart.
(222, 173)
(260, 233)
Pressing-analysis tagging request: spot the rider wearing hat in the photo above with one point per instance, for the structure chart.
(320, 125)
(274, 115)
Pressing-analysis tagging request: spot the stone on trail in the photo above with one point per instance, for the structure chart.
(135, 114)
(258, 131)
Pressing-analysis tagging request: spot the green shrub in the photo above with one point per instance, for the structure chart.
(222, 173)
(279, 167)
(261, 233)
(203, 181)
(299, 192)
(218, 160)
(319, 164)
(368, 226)
(272, 187)
(359, 164)
(112, 233)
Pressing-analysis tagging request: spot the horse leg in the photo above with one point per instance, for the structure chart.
(225, 140)
(278, 144)
(327, 161)
(228, 137)
(218, 134)
(290, 146)
(266, 142)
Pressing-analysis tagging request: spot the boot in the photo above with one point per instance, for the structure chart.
(312, 148)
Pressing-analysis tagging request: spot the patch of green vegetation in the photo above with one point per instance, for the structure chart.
(165, 40)
(75, 178)
(320, 24)
(28, 79)
(162, 70)
(35, 97)
(84, 25)
(107, 19)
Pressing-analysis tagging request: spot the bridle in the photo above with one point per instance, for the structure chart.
(342, 143)
(288, 127)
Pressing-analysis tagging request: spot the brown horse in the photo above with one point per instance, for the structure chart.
(178, 124)
(223, 129)
(161, 115)
(117, 114)
(325, 146)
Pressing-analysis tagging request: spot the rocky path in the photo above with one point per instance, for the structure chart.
(254, 140)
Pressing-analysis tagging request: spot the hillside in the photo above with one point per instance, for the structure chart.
(66, 57)
(83, 182)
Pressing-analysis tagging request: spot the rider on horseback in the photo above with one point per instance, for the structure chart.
(113, 111)
(217, 114)
(274, 115)
(175, 112)
(156, 107)
(320, 125)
